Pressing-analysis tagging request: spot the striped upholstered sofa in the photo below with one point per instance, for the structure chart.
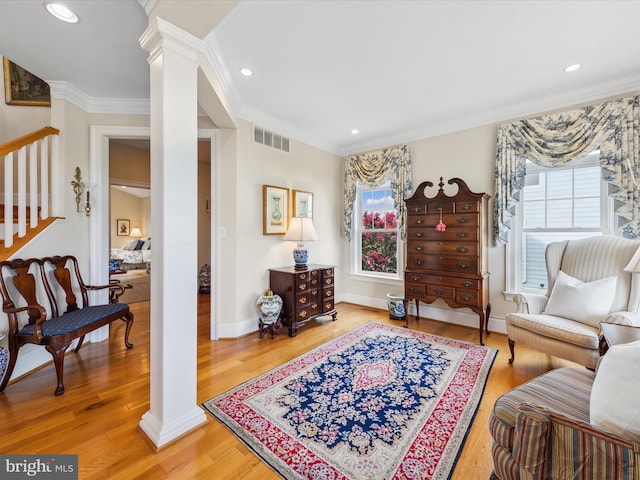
(541, 430)
(565, 324)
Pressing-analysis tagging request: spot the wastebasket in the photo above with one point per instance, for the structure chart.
(396, 306)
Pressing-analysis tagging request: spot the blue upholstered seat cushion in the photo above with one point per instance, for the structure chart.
(72, 321)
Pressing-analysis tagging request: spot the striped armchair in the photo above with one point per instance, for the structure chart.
(585, 260)
(541, 431)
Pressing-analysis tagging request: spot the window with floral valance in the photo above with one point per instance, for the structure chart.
(373, 169)
(612, 126)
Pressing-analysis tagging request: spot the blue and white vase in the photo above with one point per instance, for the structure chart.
(395, 302)
(270, 306)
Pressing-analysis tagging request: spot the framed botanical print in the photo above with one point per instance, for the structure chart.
(275, 210)
(302, 204)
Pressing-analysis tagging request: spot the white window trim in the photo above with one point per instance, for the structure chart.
(355, 253)
(513, 250)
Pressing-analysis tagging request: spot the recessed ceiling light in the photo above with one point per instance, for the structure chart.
(247, 72)
(62, 13)
(355, 131)
(572, 68)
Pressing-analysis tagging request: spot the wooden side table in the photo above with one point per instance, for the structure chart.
(306, 294)
(616, 334)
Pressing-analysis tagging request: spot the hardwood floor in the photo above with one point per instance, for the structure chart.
(107, 392)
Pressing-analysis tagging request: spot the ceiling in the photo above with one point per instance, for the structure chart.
(395, 70)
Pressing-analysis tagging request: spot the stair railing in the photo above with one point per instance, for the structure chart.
(35, 158)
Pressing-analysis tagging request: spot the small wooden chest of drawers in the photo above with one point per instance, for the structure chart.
(449, 261)
(306, 294)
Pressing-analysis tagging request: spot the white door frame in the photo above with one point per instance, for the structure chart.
(99, 227)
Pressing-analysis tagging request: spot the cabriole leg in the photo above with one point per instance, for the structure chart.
(512, 345)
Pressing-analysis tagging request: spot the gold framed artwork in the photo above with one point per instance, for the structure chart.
(123, 227)
(275, 210)
(21, 87)
(302, 204)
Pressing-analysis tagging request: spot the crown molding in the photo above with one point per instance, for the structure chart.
(117, 106)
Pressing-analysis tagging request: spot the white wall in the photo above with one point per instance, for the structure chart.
(305, 168)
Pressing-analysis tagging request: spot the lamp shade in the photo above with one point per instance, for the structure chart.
(301, 229)
(135, 232)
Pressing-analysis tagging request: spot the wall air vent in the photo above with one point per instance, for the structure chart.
(270, 139)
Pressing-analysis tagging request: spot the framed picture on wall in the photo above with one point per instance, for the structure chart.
(21, 87)
(123, 227)
(302, 204)
(275, 210)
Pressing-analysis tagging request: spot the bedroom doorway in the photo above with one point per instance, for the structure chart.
(130, 203)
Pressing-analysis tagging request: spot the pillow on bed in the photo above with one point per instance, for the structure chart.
(146, 244)
(131, 245)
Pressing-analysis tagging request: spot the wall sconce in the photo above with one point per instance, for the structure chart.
(78, 188)
(87, 207)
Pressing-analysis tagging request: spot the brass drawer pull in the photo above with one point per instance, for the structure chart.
(463, 220)
(415, 290)
(462, 234)
(302, 313)
(467, 284)
(419, 234)
(462, 249)
(467, 206)
(302, 286)
(419, 248)
(463, 265)
(416, 209)
(302, 300)
(418, 262)
(415, 278)
(302, 276)
(466, 298)
(420, 221)
(439, 292)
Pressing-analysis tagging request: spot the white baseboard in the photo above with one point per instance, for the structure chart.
(461, 316)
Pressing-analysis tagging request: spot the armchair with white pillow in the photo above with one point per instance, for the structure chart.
(590, 281)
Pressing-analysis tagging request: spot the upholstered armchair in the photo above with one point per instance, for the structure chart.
(587, 284)
(545, 428)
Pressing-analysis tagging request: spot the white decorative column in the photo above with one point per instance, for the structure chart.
(173, 59)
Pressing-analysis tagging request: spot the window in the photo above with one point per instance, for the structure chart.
(376, 246)
(560, 203)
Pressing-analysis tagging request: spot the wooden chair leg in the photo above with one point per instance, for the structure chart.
(128, 318)
(57, 352)
(13, 356)
(512, 345)
(77, 349)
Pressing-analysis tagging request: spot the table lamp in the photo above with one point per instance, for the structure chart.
(301, 230)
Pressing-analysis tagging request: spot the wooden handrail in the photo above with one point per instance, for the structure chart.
(27, 139)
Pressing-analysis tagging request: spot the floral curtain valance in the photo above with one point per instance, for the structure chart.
(372, 169)
(613, 126)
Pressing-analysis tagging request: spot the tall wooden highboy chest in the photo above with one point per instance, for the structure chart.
(447, 243)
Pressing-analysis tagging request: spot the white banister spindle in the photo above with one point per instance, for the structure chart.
(33, 185)
(56, 209)
(22, 192)
(8, 200)
(44, 178)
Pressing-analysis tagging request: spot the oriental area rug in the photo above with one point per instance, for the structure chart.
(378, 403)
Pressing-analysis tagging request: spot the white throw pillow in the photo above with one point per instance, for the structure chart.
(583, 302)
(614, 396)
